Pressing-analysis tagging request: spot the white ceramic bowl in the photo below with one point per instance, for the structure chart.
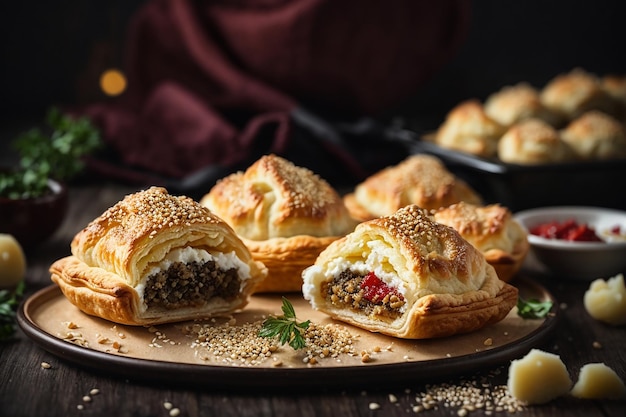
(577, 260)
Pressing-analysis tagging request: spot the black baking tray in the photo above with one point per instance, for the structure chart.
(520, 187)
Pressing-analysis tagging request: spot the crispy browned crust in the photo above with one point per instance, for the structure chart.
(533, 141)
(285, 214)
(492, 230)
(596, 135)
(419, 179)
(468, 128)
(573, 93)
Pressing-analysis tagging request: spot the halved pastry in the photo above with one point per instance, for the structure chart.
(156, 258)
(407, 276)
(492, 230)
(285, 214)
(419, 179)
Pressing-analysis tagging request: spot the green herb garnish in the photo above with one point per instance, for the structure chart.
(9, 301)
(286, 327)
(533, 308)
(57, 155)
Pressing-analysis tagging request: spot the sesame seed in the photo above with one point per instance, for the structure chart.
(45, 365)
(374, 406)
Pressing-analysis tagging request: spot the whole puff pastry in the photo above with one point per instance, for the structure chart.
(533, 141)
(156, 258)
(407, 276)
(491, 229)
(518, 102)
(285, 214)
(468, 128)
(574, 93)
(419, 179)
(596, 135)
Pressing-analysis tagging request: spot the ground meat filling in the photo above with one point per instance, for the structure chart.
(350, 290)
(190, 284)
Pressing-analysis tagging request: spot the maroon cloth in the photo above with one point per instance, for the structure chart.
(205, 77)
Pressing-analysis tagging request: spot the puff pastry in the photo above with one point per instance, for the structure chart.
(285, 214)
(574, 93)
(419, 179)
(156, 258)
(468, 128)
(533, 141)
(407, 276)
(518, 102)
(615, 87)
(596, 135)
(491, 229)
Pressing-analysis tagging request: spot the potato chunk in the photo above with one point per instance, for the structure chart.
(598, 381)
(538, 377)
(606, 300)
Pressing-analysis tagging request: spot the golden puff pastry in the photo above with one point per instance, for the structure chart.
(615, 87)
(407, 276)
(156, 258)
(493, 231)
(574, 93)
(285, 214)
(467, 128)
(419, 179)
(596, 135)
(518, 102)
(533, 141)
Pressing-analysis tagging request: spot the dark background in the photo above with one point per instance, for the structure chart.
(52, 51)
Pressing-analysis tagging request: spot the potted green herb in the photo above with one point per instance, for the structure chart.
(33, 196)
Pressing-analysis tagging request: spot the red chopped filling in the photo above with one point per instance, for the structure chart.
(375, 290)
(567, 230)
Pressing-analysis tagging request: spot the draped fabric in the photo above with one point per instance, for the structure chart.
(214, 82)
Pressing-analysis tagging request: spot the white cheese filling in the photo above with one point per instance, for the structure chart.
(188, 255)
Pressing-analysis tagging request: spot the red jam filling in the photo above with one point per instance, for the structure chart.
(567, 230)
(375, 290)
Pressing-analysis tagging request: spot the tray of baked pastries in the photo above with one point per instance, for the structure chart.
(523, 140)
(274, 278)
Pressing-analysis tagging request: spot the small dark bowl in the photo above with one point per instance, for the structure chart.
(33, 220)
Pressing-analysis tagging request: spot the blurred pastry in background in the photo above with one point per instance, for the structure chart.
(574, 93)
(468, 128)
(518, 102)
(533, 141)
(615, 86)
(493, 230)
(285, 214)
(419, 179)
(596, 135)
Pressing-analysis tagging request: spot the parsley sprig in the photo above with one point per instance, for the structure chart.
(533, 308)
(57, 154)
(9, 301)
(286, 327)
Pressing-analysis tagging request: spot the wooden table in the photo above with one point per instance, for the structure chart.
(26, 389)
